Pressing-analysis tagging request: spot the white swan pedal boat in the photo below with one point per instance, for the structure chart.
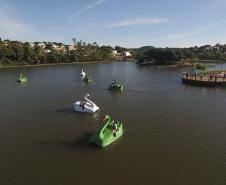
(83, 74)
(86, 105)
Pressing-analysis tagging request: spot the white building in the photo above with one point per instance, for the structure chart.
(114, 52)
(54, 46)
(47, 50)
(42, 45)
(70, 48)
(59, 48)
(32, 45)
(127, 53)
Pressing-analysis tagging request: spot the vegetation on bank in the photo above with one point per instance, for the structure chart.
(16, 53)
(207, 72)
(168, 56)
(201, 66)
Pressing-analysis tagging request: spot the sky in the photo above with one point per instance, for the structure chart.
(128, 23)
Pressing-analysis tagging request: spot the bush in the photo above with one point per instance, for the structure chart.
(201, 66)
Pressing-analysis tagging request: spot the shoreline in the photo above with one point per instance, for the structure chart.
(181, 65)
(58, 64)
(175, 65)
(213, 61)
(186, 64)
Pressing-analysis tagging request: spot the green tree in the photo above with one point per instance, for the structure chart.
(28, 53)
(49, 46)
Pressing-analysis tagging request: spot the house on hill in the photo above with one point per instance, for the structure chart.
(59, 48)
(127, 54)
(70, 48)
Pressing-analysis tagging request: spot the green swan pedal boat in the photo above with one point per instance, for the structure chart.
(115, 86)
(88, 79)
(108, 133)
(22, 79)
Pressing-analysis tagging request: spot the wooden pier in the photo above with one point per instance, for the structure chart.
(216, 80)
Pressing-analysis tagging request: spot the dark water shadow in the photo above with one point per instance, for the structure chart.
(78, 143)
(72, 111)
(137, 90)
(65, 110)
(117, 93)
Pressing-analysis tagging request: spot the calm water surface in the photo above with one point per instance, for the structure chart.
(174, 134)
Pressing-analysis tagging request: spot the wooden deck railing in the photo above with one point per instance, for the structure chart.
(205, 78)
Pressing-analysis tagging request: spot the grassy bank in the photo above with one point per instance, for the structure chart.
(186, 64)
(213, 72)
(212, 61)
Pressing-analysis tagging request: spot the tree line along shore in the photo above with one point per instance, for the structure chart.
(16, 53)
(182, 56)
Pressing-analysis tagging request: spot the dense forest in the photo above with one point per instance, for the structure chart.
(177, 55)
(13, 53)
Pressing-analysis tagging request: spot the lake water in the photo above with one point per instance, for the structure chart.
(174, 134)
